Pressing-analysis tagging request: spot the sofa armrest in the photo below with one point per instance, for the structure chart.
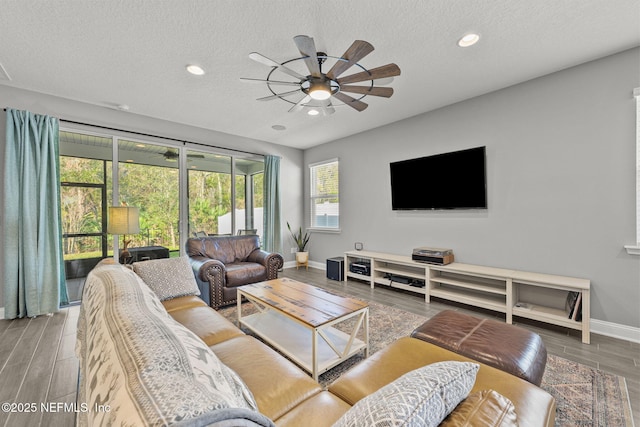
(271, 260)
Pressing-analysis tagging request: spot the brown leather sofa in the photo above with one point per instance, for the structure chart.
(290, 397)
(222, 263)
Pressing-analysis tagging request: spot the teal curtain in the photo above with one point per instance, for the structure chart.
(272, 235)
(33, 273)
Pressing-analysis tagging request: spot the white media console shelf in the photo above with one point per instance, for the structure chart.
(540, 297)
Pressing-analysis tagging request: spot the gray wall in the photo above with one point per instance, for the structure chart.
(290, 163)
(561, 182)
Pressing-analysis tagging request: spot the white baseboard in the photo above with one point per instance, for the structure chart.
(613, 330)
(312, 264)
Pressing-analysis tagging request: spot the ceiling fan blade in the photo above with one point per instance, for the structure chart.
(366, 90)
(358, 50)
(351, 102)
(300, 104)
(327, 108)
(272, 82)
(269, 98)
(271, 63)
(389, 70)
(307, 48)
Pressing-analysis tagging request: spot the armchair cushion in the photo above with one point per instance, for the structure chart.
(241, 273)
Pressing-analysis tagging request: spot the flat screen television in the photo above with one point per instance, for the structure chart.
(455, 180)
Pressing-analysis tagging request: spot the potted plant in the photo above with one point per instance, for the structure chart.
(301, 240)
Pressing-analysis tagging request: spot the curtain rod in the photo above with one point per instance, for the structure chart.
(183, 141)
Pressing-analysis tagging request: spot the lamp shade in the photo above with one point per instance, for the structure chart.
(123, 220)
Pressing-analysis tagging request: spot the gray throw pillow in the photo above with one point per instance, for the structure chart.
(168, 277)
(423, 397)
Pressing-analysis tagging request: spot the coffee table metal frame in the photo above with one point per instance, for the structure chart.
(314, 347)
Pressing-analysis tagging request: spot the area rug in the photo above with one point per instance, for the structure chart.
(584, 396)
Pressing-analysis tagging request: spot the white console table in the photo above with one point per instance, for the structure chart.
(534, 296)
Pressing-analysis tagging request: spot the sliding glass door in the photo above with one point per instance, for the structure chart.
(148, 178)
(180, 191)
(85, 175)
(209, 193)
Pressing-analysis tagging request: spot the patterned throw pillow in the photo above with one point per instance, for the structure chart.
(168, 277)
(423, 397)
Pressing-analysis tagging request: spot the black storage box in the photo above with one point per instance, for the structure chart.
(335, 268)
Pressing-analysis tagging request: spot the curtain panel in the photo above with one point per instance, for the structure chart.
(33, 273)
(272, 235)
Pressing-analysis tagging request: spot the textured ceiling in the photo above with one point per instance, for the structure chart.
(135, 52)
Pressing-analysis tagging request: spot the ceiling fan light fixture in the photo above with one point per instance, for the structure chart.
(196, 70)
(468, 40)
(319, 91)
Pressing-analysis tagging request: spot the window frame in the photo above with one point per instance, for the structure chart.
(635, 248)
(313, 226)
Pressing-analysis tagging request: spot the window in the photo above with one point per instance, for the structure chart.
(179, 191)
(635, 249)
(325, 206)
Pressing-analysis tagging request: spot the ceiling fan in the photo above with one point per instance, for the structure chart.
(172, 155)
(322, 90)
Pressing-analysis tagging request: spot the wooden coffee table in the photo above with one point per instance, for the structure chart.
(297, 319)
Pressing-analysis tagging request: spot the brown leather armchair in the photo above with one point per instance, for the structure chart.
(222, 263)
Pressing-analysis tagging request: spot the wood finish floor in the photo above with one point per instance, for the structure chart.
(39, 371)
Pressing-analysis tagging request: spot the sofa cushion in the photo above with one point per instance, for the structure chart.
(168, 277)
(277, 384)
(183, 303)
(149, 369)
(533, 405)
(422, 397)
(209, 325)
(486, 408)
(241, 273)
(322, 409)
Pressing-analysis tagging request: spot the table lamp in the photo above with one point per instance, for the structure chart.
(124, 220)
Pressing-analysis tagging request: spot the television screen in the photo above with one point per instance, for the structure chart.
(455, 180)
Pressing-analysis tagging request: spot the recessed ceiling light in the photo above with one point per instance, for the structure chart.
(468, 40)
(278, 127)
(195, 70)
(313, 112)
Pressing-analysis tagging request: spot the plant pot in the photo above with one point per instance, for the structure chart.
(302, 258)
